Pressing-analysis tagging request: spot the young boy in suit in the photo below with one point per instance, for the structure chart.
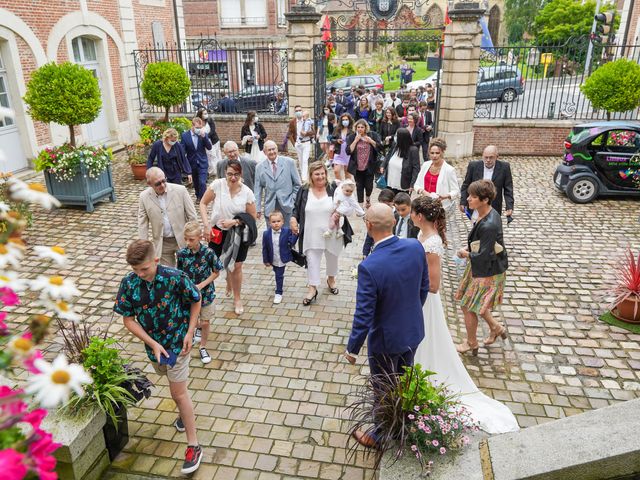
(404, 227)
(277, 241)
(385, 196)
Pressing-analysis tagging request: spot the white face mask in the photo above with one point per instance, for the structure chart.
(345, 123)
(255, 119)
(205, 116)
(196, 131)
(172, 142)
(299, 114)
(326, 110)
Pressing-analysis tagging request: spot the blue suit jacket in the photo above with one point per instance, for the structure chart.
(287, 240)
(393, 283)
(197, 157)
(283, 187)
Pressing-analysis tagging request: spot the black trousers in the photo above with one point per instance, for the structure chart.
(364, 184)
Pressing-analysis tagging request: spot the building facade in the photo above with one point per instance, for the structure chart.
(98, 34)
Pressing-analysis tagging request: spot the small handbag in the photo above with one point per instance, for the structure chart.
(381, 183)
(298, 258)
(216, 235)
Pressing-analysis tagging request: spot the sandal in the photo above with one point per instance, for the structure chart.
(308, 301)
(502, 333)
(465, 347)
(333, 290)
(367, 204)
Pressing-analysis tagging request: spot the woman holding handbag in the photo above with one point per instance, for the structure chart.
(253, 136)
(402, 164)
(234, 206)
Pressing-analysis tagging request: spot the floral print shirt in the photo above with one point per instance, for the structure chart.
(162, 306)
(198, 266)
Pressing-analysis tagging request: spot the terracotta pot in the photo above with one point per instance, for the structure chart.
(139, 170)
(628, 310)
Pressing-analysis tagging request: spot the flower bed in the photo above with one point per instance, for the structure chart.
(65, 162)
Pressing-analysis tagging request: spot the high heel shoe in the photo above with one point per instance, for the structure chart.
(502, 333)
(308, 301)
(465, 347)
(333, 290)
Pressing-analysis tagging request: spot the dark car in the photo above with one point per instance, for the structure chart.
(367, 81)
(601, 158)
(260, 98)
(203, 99)
(501, 82)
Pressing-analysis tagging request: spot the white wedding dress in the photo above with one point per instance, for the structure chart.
(437, 353)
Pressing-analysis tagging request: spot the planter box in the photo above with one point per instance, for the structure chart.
(83, 454)
(116, 436)
(82, 190)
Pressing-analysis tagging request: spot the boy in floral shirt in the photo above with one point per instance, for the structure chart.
(202, 266)
(160, 306)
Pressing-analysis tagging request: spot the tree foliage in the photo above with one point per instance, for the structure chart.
(411, 47)
(165, 84)
(561, 19)
(614, 87)
(67, 94)
(519, 16)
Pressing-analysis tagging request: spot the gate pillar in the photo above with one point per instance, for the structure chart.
(303, 33)
(459, 77)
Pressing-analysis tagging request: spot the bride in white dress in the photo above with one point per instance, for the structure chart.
(437, 352)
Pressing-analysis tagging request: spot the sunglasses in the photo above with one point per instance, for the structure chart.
(160, 182)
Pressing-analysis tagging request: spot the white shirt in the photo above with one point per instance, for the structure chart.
(167, 231)
(488, 173)
(403, 232)
(225, 207)
(394, 171)
(194, 138)
(380, 241)
(275, 236)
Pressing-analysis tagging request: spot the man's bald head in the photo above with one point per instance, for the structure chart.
(380, 220)
(490, 155)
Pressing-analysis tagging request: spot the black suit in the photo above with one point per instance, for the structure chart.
(227, 105)
(501, 178)
(427, 121)
(412, 230)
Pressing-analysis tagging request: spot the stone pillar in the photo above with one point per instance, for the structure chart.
(459, 77)
(303, 33)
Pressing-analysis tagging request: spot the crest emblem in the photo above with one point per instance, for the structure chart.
(383, 9)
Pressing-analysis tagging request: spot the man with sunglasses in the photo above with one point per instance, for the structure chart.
(166, 208)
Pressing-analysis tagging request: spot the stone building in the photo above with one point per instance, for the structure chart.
(98, 34)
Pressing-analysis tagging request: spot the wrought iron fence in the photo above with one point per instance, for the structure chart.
(543, 82)
(252, 75)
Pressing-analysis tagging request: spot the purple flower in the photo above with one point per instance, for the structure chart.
(435, 443)
(414, 448)
(411, 416)
(443, 450)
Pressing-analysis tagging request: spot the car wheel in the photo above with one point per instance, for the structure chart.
(509, 95)
(271, 107)
(582, 190)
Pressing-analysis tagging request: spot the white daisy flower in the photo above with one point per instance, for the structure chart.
(31, 193)
(4, 208)
(61, 308)
(55, 253)
(55, 287)
(53, 386)
(13, 281)
(21, 346)
(10, 254)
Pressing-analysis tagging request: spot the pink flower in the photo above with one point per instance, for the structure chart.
(414, 448)
(8, 297)
(35, 417)
(29, 363)
(14, 406)
(443, 450)
(411, 416)
(40, 451)
(11, 465)
(435, 443)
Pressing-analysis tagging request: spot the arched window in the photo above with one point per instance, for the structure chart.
(84, 50)
(436, 16)
(494, 24)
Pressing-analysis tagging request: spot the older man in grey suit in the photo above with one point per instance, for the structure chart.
(166, 207)
(232, 152)
(278, 177)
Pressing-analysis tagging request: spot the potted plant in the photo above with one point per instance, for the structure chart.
(137, 156)
(165, 84)
(625, 289)
(409, 414)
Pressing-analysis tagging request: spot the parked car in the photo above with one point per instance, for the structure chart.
(260, 98)
(432, 79)
(601, 158)
(367, 81)
(203, 99)
(501, 82)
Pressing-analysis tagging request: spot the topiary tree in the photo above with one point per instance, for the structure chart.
(165, 84)
(614, 87)
(67, 94)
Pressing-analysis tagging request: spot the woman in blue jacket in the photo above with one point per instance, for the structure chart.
(168, 155)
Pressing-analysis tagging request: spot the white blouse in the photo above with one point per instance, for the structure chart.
(394, 171)
(225, 206)
(447, 183)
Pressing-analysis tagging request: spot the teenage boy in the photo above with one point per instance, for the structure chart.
(202, 266)
(385, 196)
(277, 242)
(404, 225)
(160, 306)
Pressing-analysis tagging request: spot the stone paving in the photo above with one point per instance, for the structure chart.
(271, 403)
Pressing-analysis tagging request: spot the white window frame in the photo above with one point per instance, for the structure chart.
(244, 20)
(281, 9)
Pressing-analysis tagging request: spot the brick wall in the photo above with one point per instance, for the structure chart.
(539, 138)
(146, 14)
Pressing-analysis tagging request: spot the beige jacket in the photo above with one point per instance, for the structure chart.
(180, 210)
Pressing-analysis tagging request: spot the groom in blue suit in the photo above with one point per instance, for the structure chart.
(393, 283)
(195, 143)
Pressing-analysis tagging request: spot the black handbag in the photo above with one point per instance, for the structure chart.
(298, 258)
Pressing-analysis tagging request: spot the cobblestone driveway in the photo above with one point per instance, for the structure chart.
(270, 404)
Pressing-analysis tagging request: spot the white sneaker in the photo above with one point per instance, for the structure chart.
(204, 355)
(197, 336)
(277, 298)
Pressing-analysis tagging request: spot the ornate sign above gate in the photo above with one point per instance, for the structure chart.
(377, 9)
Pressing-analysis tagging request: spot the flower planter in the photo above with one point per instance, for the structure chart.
(82, 190)
(628, 310)
(139, 170)
(116, 438)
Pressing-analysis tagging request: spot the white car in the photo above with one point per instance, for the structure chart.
(421, 83)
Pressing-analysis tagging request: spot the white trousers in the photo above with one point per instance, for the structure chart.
(304, 150)
(314, 256)
(214, 156)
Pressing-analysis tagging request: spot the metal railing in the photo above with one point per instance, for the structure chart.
(251, 74)
(543, 82)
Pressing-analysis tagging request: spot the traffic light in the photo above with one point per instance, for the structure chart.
(604, 26)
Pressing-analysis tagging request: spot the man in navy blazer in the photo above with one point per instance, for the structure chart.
(277, 242)
(393, 283)
(195, 143)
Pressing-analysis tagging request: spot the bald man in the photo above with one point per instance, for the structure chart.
(393, 282)
(232, 152)
(490, 168)
(276, 177)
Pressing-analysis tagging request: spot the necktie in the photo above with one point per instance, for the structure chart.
(400, 225)
(274, 167)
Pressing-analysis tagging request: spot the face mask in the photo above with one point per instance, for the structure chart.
(205, 116)
(345, 123)
(333, 105)
(172, 142)
(326, 110)
(255, 120)
(197, 131)
(298, 114)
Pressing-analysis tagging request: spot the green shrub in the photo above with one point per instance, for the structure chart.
(64, 162)
(165, 84)
(614, 87)
(67, 94)
(347, 69)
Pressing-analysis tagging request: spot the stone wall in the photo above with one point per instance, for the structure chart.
(521, 137)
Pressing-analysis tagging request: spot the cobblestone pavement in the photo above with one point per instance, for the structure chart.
(271, 403)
